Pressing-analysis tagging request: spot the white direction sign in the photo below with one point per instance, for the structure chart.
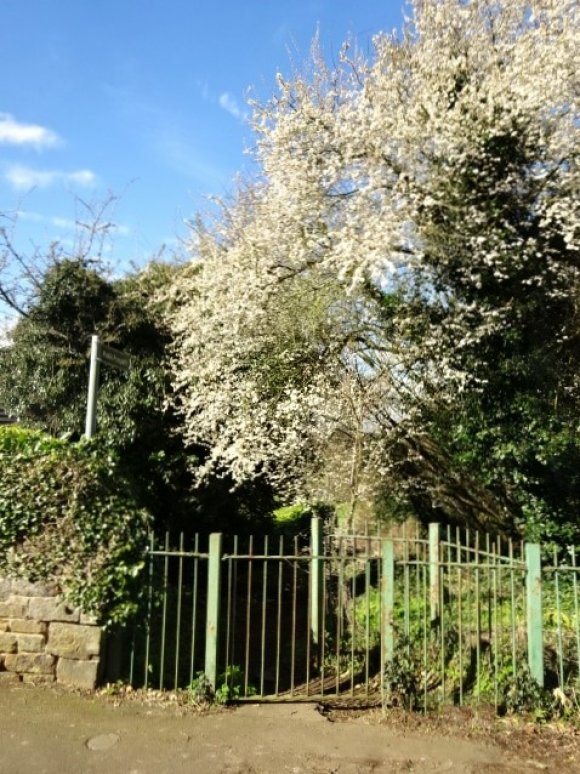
(101, 353)
(115, 358)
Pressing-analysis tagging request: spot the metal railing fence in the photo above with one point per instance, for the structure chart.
(420, 619)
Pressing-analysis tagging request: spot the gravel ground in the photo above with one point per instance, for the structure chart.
(45, 730)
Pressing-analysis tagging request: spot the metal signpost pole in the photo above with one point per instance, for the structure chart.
(91, 421)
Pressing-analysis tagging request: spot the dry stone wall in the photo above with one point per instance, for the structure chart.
(43, 639)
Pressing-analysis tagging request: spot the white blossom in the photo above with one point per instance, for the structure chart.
(382, 176)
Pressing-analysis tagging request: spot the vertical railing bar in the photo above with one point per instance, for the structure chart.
(317, 547)
(310, 619)
(558, 620)
(451, 589)
(451, 597)
(354, 628)
(441, 590)
(426, 595)
(576, 616)
(500, 635)
(378, 558)
(229, 601)
(513, 607)
(495, 641)
(164, 613)
(339, 614)
(458, 554)
(294, 587)
(213, 601)
(279, 615)
(406, 594)
(194, 609)
(235, 564)
(149, 609)
(368, 624)
(264, 606)
(489, 589)
(325, 569)
(434, 572)
(477, 618)
(524, 596)
(386, 588)
(248, 614)
(417, 573)
(468, 594)
(534, 612)
(178, 617)
(487, 610)
(132, 658)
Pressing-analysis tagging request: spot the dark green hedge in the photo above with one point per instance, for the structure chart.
(67, 516)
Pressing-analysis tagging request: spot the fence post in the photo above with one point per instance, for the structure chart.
(387, 599)
(434, 580)
(213, 606)
(534, 612)
(316, 569)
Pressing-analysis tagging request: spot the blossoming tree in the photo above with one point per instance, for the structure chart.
(395, 295)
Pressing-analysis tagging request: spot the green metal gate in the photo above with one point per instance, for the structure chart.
(420, 619)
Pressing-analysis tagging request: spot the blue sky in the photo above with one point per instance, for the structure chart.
(145, 99)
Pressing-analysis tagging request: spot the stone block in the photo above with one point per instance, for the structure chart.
(35, 663)
(51, 609)
(27, 626)
(9, 677)
(8, 642)
(88, 619)
(4, 625)
(5, 588)
(36, 679)
(73, 641)
(30, 643)
(14, 607)
(33, 589)
(80, 674)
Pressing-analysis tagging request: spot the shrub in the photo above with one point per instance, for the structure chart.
(67, 516)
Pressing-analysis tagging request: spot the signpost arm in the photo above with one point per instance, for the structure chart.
(91, 421)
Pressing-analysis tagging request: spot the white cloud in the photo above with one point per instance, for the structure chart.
(23, 178)
(82, 177)
(228, 103)
(12, 132)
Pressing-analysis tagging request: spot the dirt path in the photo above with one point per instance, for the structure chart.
(45, 731)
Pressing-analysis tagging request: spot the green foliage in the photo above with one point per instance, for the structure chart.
(293, 519)
(44, 371)
(43, 381)
(230, 687)
(68, 516)
(522, 694)
(343, 513)
(401, 680)
(367, 615)
(290, 514)
(200, 690)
